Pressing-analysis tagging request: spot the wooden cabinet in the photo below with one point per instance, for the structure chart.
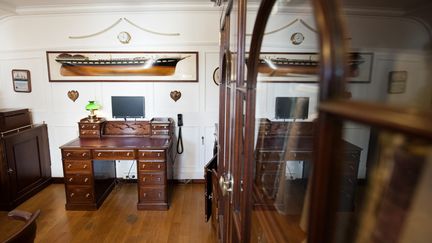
(90, 129)
(25, 165)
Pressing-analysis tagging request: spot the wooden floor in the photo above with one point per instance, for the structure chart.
(118, 220)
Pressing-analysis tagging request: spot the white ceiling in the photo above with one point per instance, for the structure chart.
(22, 7)
(406, 5)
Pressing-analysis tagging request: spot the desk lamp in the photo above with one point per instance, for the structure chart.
(92, 106)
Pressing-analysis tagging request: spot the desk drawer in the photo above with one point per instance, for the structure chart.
(78, 179)
(152, 166)
(152, 178)
(75, 167)
(152, 193)
(79, 194)
(114, 154)
(269, 166)
(299, 156)
(160, 132)
(270, 155)
(89, 126)
(152, 155)
(89, 133)
(76, 154)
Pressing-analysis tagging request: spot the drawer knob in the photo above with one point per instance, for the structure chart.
(263, 166)
(158, 154)
(69, 166)
(99, 154)
(295, 155)
(128, 153)
(87, 195)
(85, 166)
(158, 179)
(83, 132)
(94, 126)
(82, 126)
(144, 179)
(143, 154)
(86, 179)
(159, 194)
(143, 165)
(72, 194)
(68, 154)
(145, 194)
(84, 154)
(70, 179)
(94, 132)
(159, 166)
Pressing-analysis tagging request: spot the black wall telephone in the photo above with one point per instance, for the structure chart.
(180, 140)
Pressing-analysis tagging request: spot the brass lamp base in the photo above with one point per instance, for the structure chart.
(92, 117)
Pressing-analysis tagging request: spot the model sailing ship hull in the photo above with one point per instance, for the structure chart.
(298, 67)
(79, 65)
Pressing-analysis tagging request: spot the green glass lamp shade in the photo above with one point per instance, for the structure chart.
(92, 106)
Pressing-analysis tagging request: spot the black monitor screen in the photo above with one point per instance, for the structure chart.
(128, 106)
(292, 107)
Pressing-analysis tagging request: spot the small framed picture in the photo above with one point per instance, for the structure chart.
(21, 80)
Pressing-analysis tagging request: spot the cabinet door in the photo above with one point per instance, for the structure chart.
(28, 159)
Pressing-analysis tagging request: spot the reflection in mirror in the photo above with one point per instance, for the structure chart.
(286, 107)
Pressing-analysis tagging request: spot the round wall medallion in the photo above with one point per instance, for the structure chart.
(124, 37)
(297, 38)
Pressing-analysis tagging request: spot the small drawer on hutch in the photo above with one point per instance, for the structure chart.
(155, 193)
(76, 154)
(89, 133)
(152, 178)
(79, 194)
(152, 166)
(160, 127)
(72, 167)
(89, 126)
(160, 132)
(113, 154)
(151, 155)
(78, 179)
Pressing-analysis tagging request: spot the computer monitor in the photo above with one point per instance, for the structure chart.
(292, 107)
(128, 106)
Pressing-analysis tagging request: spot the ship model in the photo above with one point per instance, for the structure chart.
(80, 65)
(285, 66)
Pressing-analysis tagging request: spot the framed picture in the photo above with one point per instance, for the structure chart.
(83, 66)
(304, 67)
(21, 80)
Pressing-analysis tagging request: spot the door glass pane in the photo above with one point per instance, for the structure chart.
(286, 107)
(391, 56)
(389, 200)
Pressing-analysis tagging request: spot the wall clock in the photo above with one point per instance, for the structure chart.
(124, 37)
(297, 38)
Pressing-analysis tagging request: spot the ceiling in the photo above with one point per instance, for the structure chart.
(22, 7)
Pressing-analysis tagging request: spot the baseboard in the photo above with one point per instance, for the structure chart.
(57, 180)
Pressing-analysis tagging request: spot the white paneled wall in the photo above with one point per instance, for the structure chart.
(25, 40)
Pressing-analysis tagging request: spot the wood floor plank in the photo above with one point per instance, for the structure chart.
(118, 220)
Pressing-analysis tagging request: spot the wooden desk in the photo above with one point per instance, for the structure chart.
(279, 142)
(89, 163)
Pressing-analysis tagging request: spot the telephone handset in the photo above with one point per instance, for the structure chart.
(179, 140)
